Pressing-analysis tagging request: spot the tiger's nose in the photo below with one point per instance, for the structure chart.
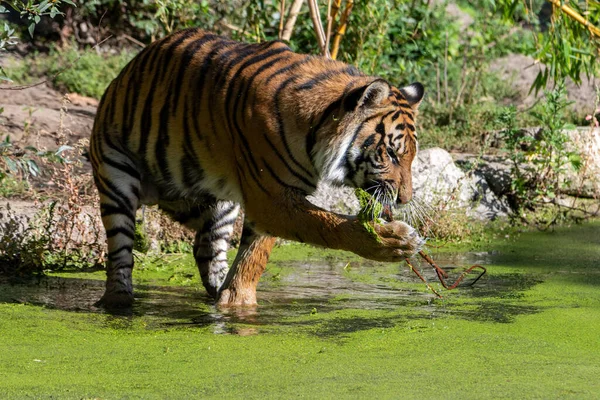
(404, 198)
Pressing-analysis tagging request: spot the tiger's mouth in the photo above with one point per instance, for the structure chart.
(385, 194)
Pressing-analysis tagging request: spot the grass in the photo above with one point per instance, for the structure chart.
(85, 72)
(529, 330)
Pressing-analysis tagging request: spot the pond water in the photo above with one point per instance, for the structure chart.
(328, 325)
(293, 289)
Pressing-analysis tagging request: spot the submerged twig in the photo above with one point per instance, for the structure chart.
(443, 275)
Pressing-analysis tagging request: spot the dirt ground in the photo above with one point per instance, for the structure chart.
(521, 70)
(45, 118)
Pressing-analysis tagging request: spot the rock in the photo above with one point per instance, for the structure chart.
(487, 204)
(338, 199)
(583, 183)
(436, 179)
(495, 170)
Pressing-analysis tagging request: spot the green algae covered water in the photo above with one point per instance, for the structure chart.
(329, 325)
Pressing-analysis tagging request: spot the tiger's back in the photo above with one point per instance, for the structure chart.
(200, 124)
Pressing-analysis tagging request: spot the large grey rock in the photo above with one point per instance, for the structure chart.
(495, 170)
(437, 183)
(339, 199)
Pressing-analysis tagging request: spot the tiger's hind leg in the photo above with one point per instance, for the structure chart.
(239, 288)
(118, 182)
(211, 245)
(213, 222)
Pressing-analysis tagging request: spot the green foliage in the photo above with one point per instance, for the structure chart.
(33, 11)
(370, 210)
(176, 247)
(141, 242)
(567, 47)
(32, 246)
(539, 162)
(85, 72)
(18, 165)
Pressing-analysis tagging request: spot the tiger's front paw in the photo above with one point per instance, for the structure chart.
(397, 241)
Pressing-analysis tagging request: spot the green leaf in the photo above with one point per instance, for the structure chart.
(576, 161)
(33, 168)
(37, 19)
(31, 29)
(70, 2)
(62, 148)
(43, 6)
(11, 164)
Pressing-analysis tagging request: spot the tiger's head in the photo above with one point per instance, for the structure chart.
(380, 140)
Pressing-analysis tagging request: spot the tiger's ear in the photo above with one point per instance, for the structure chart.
(368, 96)
(413, 93)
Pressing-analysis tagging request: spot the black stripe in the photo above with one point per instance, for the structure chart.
(287, 68)
(190, 164)
(289, 168)
(242, 50)
(344, 161)
(108, 210)
(125, 247)
(200, 80)
(281, 183)
(187, 56)
(369, 141)
(224, 222)
(145, 58)
(146, 124)
(119, 230)
(109, 117)
(280, 71)
(169, 51)
(311, 83)
(311, 138)
(115, 194)
(204, 259)
(162, 142)
(230, 93)
(250, 81)
(281, 127)
(256, 180)
(213, 236)
(128, 169)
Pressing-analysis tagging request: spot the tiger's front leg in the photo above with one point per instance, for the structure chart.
(290, 216)
(239, 288)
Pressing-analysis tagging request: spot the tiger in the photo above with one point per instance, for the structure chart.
(202, 125)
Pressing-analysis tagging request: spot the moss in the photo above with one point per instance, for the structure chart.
(534, 316)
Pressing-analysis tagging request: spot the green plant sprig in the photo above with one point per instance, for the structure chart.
(370, 210)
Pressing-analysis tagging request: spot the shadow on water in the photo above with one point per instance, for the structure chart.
(327, 298)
